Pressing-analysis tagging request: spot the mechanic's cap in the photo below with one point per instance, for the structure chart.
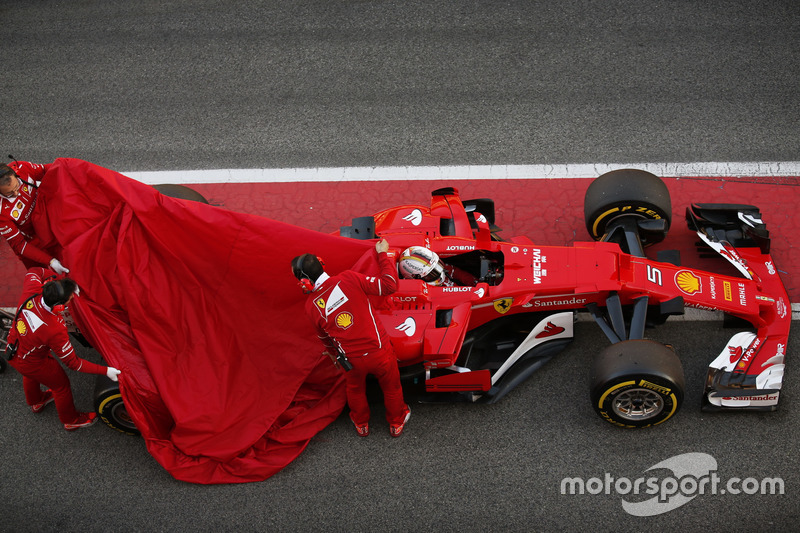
(419, 262)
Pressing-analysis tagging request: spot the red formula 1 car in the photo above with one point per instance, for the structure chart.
(514, 302)
(511, 305)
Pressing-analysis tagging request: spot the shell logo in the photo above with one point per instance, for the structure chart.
(344, 320)
(688, 282)
(22, 329)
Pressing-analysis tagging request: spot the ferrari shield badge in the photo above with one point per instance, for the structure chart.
(503, 305)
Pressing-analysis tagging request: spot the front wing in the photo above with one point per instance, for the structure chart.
(748, 373)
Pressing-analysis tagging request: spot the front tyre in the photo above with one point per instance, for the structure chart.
(627, 193)
(637, 383)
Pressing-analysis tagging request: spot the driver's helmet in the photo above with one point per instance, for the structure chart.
(419, 262)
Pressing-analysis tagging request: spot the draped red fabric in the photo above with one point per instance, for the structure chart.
(221, 370)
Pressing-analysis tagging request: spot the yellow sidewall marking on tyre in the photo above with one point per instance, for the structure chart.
(112, 397)
(612, 389)
(601, 217)
(674, 407)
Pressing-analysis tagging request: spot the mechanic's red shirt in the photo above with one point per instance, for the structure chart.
(342, 313)
(40, 330)
(15, 213)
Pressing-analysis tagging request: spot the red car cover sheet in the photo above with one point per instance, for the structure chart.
(196, 305)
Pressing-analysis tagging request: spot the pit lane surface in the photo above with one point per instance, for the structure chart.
(458, 467)
(154, 86)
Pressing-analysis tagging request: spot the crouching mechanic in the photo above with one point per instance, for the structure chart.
(39, 329)
(340, 309)
(19, 190)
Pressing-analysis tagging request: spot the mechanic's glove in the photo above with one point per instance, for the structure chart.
(57, 267)
(112, 373)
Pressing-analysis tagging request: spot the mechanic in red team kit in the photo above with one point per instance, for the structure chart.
(19, 186)
(339, 308)
(39, 329)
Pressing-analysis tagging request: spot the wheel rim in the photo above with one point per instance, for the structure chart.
(121, 416)
(638, 404)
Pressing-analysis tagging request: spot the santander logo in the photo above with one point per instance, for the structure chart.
(415, 217)
(735, 352)
(409, 327)
(549, 330)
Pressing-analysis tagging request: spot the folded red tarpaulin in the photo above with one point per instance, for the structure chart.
(221, 370)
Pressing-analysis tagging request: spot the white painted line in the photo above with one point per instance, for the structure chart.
(465, 172)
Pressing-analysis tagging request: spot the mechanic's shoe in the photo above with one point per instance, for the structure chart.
(84, 420)
(362, 429)
(397, 430)
(48, 398)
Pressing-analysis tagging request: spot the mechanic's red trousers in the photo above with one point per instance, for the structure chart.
(383, 365)
(49, 373)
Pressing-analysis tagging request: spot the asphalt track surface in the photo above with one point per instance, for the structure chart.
(183, 85)
(154, 85)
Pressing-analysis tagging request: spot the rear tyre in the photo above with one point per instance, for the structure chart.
(107, 397)
(109, 405)
(181, 192)
(6, 321)
(637, 194)
(637, 383)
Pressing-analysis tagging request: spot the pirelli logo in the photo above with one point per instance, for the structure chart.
(727, 291)
(658, 388)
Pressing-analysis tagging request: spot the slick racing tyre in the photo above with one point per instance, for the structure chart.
(110, 407)
(627, 193)
(181, 192)
(6, 321)
(637, 383)
(107, 397)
